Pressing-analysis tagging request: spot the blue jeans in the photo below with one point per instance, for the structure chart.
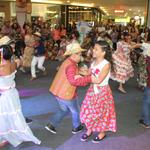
(66, 107)
(146, 106)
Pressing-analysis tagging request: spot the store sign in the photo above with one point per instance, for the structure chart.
(119, 11)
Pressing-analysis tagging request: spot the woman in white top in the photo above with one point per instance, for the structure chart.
(97, 110)
(13, 127)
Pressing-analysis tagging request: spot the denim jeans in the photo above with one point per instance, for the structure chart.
(66, 107)
(146, 106)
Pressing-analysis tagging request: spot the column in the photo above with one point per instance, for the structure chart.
(28, 11)
(64, 15)
(23, 11)
(148, 14)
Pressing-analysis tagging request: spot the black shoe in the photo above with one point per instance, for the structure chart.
(51, 128)
(97, 139)
(28, 121)
(78, 129)
(141, 121)
(85, 137)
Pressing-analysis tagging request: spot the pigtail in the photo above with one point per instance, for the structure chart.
(1, 55)
(107, 49)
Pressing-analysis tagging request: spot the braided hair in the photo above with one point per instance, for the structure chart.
(107, 49)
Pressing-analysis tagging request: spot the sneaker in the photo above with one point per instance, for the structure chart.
(44, 73)
(97, 139)
(22, 69)
(32, 78)
(78, 129)
(51, 128)
(85, 137)
(141, 121)
(28, 121)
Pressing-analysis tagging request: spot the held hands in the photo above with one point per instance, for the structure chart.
(84, 71)
(94, 79)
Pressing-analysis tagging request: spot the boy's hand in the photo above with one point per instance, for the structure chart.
(84, 71)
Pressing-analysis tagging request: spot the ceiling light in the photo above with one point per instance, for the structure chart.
(83, 4)
(119, 11)
(136, 17)
(101, 7)
(51, 12)
(47, 1)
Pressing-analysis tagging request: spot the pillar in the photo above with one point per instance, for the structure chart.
(64, 15)
(148, 14)
(23, 11)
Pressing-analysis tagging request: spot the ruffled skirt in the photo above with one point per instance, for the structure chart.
(13, 127)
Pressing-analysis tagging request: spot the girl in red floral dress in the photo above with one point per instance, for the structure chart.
(98, 110)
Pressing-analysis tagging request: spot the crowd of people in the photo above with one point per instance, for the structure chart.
(114, 51)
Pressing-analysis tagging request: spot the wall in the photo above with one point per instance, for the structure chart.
(5, 7)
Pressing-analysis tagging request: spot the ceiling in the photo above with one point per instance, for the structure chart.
(131, 8)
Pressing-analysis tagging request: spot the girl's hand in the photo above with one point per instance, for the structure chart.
(94, 79)
(18, 62)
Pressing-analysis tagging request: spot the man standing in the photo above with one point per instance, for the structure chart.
(64, 88)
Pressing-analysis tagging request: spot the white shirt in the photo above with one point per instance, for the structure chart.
(96, 71)
(146, 49)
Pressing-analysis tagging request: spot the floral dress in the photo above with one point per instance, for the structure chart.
(142, 71)
(122, 64)
(98, 110)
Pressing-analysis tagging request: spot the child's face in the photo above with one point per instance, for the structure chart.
(63, 39)
(98, 52)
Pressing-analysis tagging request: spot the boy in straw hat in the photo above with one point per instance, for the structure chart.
(39, 56)
(64, 88)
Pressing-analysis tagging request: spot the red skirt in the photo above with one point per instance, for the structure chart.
(98, 110)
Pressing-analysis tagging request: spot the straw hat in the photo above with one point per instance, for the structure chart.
(73, 48)
(5, 40)
(37, 34)
(147, 52)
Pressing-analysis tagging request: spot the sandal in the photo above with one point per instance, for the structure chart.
(122, 91)
(85, 137)
(97, 139)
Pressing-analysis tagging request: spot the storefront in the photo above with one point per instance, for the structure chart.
(56, 13)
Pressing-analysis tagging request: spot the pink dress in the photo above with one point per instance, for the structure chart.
(123, 69)
(98, 110)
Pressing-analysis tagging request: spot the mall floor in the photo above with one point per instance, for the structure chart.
(38, 104)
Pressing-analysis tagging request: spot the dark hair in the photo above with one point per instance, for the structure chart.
(148, 37)
(107, 49)
(7, 52)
